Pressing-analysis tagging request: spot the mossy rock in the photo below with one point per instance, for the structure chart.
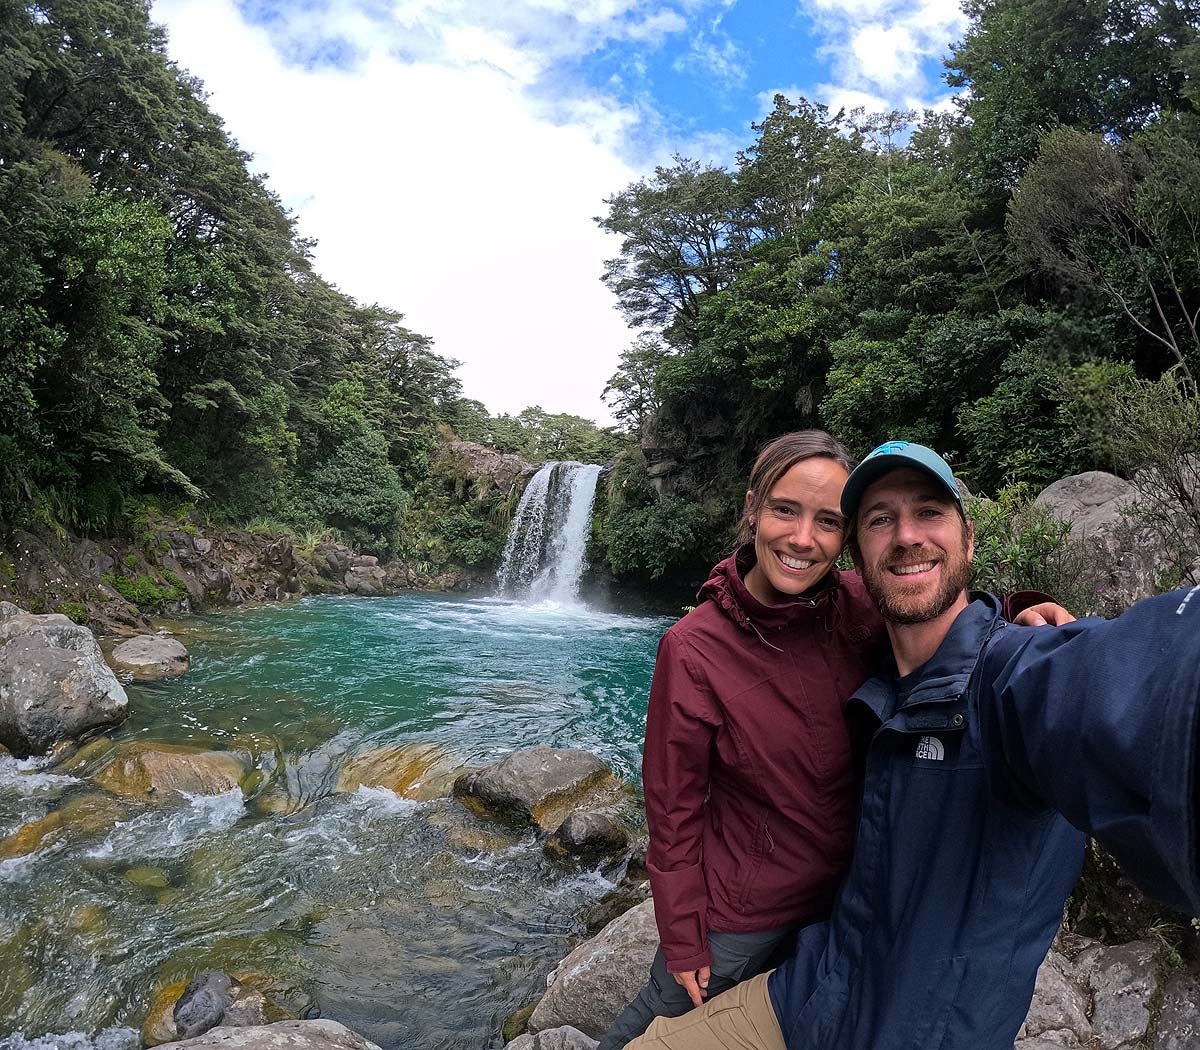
(159, 1026)
(148, 878)
(516, 1022)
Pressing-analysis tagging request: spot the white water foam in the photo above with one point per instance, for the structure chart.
(108, 1039)
(162, 832)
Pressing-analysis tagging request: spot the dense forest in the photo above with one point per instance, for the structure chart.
(1007, 282)
(164, 338)
(1015, 281)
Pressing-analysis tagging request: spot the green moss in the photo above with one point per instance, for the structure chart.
(130, 561)
(8, 572)
(145, 592)
(76, 611)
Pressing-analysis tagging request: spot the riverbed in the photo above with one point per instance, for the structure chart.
(409, 921)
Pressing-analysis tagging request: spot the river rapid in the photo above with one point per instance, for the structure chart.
(409, 921)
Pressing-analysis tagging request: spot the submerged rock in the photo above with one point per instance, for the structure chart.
(150, 657)
(283, 1035)
(537, 785)
(586, 838)
(593, 984)
(146, 770)
(203, 1003)
(83, 816)
(54, 683)
(415, 771)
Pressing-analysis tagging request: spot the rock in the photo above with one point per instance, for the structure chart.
(1059, 1011)
(514, 1024)
(146, 770)
(1179, 1019)
(54, 683)
(202, 1003)
(148, 878)
(564, 1038)
(150, 657)
(283, 1035)
(366, 580)
(1123, 981)
(416, 771)
(1099, 508)
(82, 816)
(538, 785)
(593, 984)
(585, 838)
(485, 467)
(159, 1026)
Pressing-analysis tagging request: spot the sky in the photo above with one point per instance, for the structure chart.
(449, 156)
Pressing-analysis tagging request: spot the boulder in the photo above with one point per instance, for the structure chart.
(149, 657)
(148, 770)
(1178, 1025)
(283, 1035)
(416, 771)
(1058, 1014)
(536, 786)
(1124, 980)
(366, 580)
(593, 984)
(203, 1003)
(54, 683)
(1099, 507)
(564, 1038)
(586, 838)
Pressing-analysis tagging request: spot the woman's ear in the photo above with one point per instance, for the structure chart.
(748, 510)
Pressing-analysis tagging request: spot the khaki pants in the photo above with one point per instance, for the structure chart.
(739, 1019)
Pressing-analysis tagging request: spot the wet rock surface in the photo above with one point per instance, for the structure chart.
(160, 770)
(1178, 1025)
(535, 786)
(593, 984)
(150, 657)
(586, 838)
(54, 683)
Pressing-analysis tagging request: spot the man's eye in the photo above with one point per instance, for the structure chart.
(879, 519)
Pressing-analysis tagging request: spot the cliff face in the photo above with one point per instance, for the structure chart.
(114, 585)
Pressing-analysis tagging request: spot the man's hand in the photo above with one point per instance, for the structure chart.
(695, 983)
(1047, 614)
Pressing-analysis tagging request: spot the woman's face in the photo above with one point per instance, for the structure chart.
(798, 530)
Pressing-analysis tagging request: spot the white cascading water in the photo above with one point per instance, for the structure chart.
(546, 551)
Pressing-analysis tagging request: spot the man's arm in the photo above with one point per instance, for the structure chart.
(1100, 720)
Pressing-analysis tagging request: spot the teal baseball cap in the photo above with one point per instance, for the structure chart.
(892, 455)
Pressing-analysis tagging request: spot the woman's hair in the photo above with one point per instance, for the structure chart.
(776, 459)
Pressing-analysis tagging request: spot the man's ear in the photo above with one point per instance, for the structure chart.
(970, 540)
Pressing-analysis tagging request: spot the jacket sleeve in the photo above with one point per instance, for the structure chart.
(1099, 720)
(680, 729)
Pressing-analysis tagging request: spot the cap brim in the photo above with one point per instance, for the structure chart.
(867, 473)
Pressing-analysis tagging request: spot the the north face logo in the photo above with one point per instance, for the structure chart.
(931, 747)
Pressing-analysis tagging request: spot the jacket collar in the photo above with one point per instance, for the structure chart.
(944, 676)
(727, 587)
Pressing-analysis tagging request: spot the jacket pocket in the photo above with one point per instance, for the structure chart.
(748, 873)
(930, 1026)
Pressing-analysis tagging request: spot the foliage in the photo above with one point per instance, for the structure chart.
(76, 611)
(146, 592)
(651, 540)
(1156, 431)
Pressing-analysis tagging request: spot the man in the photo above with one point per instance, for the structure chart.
(988, 747)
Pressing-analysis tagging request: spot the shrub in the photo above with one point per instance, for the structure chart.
(76, 611)
(667, 534)
(145, 592)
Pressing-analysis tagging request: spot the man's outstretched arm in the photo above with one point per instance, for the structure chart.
(1101, 721)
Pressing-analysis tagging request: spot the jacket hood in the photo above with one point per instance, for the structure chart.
(726, 587)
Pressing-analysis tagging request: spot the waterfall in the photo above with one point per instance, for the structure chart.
(545, 553)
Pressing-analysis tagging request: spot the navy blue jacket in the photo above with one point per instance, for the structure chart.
(984, 769)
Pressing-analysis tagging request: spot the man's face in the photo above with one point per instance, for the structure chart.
(914, 546)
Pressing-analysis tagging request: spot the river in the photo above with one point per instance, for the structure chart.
(411, 922)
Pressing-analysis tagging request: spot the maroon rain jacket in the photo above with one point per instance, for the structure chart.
(747, 770)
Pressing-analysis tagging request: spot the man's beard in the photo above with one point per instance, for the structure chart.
(896, 606)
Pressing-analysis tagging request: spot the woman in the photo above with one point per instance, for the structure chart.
(748, 770)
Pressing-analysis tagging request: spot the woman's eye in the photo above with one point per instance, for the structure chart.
(832, 524)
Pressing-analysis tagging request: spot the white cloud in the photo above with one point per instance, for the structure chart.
(878, 49)
(438, 187)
